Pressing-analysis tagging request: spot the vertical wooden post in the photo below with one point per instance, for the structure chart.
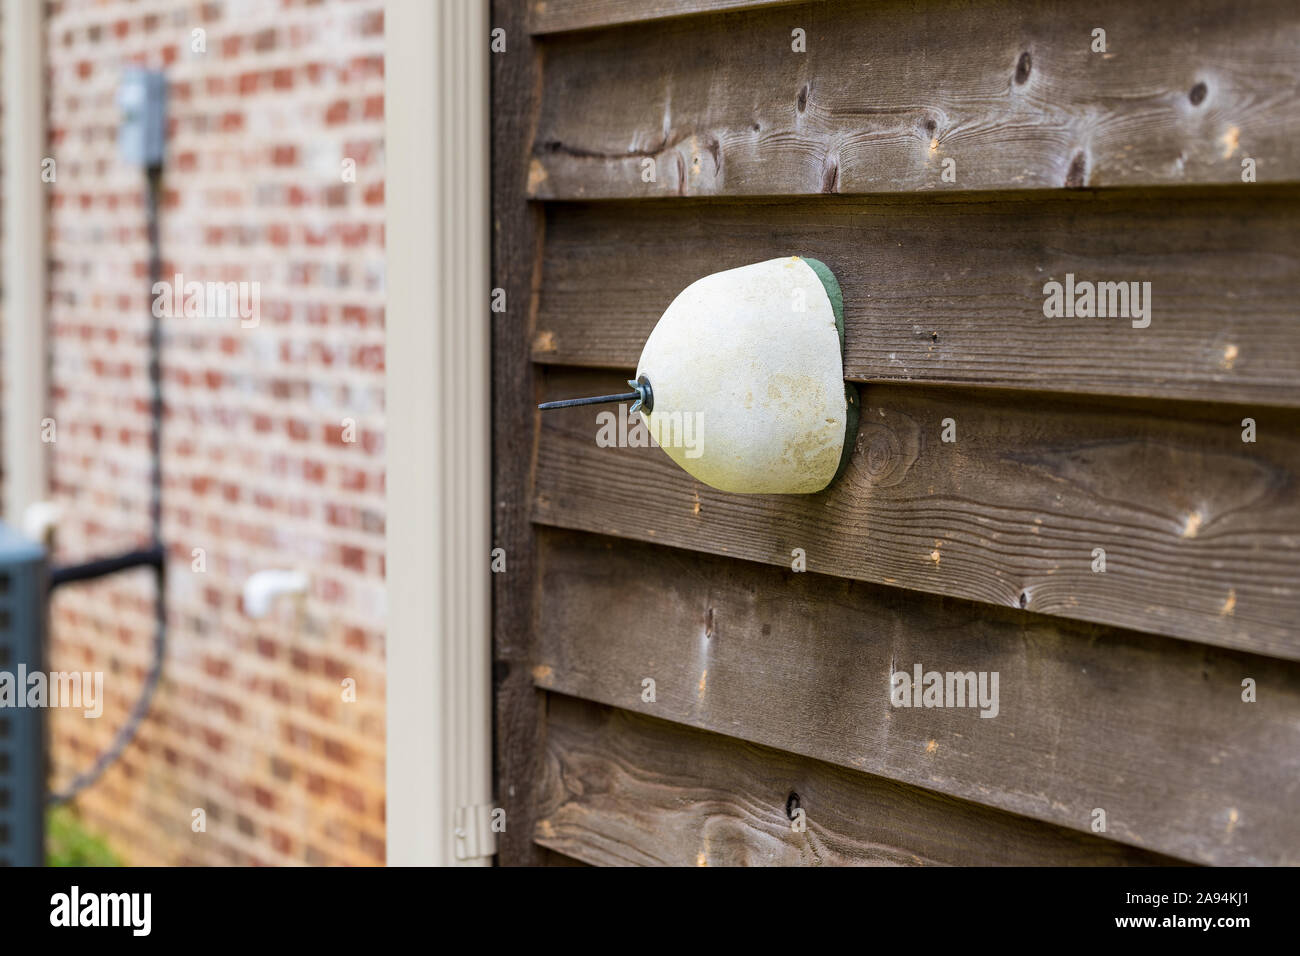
(516, 257)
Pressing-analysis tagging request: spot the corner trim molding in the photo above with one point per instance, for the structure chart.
(25, 359)
(439, 697)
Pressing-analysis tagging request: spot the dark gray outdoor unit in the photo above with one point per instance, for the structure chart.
(22, 750)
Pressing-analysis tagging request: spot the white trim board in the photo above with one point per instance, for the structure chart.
(438, 432)
(25, 198)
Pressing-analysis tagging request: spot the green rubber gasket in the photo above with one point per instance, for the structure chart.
(852, 399)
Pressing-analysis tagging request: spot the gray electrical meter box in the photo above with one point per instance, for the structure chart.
(142, 97)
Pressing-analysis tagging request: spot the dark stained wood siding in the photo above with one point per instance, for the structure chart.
(1200, 529)
(1150, 728)
(950, 291)
(620, 789)
(516, 244)
(888, 89)
(1119, 690)
(555, 16)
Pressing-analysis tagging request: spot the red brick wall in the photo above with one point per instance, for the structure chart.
(249, 724)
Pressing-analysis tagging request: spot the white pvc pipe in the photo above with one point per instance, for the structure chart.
(262, 589)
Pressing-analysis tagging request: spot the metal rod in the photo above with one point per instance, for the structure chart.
(594, 400)
(87, 571)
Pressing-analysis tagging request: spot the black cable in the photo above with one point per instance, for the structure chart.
(153, 198)
(154, 556)
(100, 567)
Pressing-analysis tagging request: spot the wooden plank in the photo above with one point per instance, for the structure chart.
(516, 247)
(551, 857)
(1153, 731)
(1201, 531)
(923, 302)
(554, 16)
(888, 91)
(622, 789)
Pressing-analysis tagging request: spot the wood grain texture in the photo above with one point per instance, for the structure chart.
(1201, 531)
(551, 857)
(1153, 731)
(888, 90)
(516, 247)
(554, 16)
(926, 299)
(622, 789)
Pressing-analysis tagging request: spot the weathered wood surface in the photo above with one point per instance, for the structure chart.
(549, 857)
(621, 789)
(1153, 731)
(952, 292)
(553, 16)
(516, 247)
(888, 90)
(943, 294)
(1201, 531)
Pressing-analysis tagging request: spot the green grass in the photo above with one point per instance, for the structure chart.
(69, 843)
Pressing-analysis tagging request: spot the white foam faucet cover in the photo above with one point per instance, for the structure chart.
(742, 384)
(748, 365)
